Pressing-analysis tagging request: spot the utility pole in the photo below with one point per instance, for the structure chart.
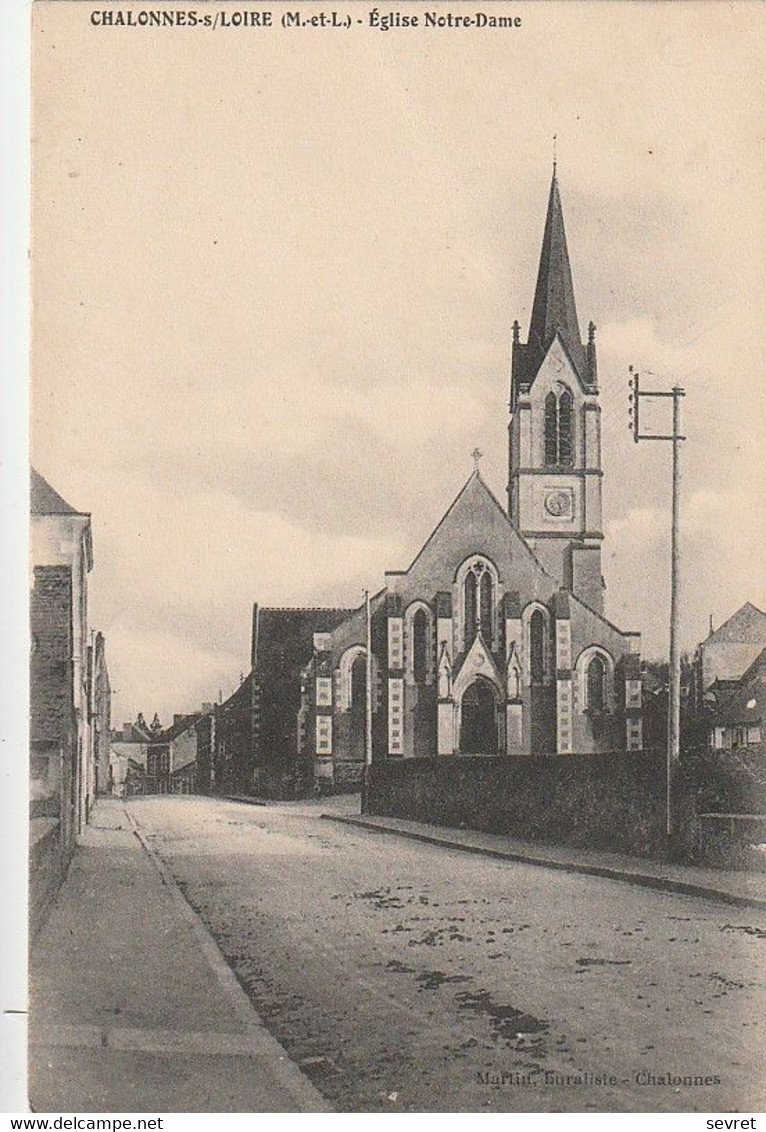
(674, 673)
(368, 685)
(368, 702)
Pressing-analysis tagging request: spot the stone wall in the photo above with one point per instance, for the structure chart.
(48, 861)
(51, 676)
(52, 724)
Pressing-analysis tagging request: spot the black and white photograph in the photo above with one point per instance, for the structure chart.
(396, 588)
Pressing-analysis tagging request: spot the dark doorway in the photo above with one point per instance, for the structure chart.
(478, 726)
(358, 705)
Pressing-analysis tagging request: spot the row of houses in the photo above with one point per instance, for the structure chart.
(157, 760)
(70, 691)
(255, 741)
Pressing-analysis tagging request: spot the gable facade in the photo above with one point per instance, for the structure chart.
(476, 650)
(740, 716)
(729, 650)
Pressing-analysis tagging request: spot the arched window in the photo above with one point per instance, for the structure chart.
(595, 684)
(559, 446)
(565, 428)
(475, 602)
(348, 676)
(420, 644)
(485, 607)
(359, 685)
(537, 646)
(551, 429)
(471, 605)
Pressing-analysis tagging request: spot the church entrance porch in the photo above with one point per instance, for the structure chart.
(478, 720)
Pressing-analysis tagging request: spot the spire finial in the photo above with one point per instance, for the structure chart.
(554, 309)
(477, 455)
(554, 154)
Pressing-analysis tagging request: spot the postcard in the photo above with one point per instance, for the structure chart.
(396, 594)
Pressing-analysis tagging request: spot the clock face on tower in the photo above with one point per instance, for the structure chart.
(558, 504)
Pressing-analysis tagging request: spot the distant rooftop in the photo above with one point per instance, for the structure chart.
(748, 624)
(44, 500)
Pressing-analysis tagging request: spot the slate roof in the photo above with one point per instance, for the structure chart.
(472, 497)
(554, 311)
(135, 752)
(138, 734)
(44, 500)
(175, 729)
(747, 703)
(286, 637)
(747, 625)
(554, 304)
(476, 501)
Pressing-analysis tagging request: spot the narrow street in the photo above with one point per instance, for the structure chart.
(398, 975)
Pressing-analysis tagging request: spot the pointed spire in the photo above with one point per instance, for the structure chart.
(554, 306)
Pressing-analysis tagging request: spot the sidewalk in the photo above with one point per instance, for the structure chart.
(132, 1006)
(746, 889)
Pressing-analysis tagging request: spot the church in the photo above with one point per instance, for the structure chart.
(493, 641)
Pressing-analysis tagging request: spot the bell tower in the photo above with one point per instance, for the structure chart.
(554, 487)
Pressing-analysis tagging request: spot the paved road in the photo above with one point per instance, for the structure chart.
(399, 975)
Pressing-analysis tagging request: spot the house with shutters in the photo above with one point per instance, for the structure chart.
(738, 711)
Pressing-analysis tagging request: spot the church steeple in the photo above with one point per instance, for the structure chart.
(554, 483)
(554, 310)
(554, 307)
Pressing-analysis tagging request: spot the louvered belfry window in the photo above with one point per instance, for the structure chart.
(551, 429)
(565, 428)
(559, 448)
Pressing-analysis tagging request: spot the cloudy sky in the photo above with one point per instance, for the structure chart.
(274, 279)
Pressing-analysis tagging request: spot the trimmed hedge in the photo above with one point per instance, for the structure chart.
(610, 801)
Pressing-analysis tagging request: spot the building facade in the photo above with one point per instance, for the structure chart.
(100, 715)
(128, 755)
(259, 730)
(60, 538)
(738, 714)
(728, 651)
(171, 757)
(62, 762)
(476, 650)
